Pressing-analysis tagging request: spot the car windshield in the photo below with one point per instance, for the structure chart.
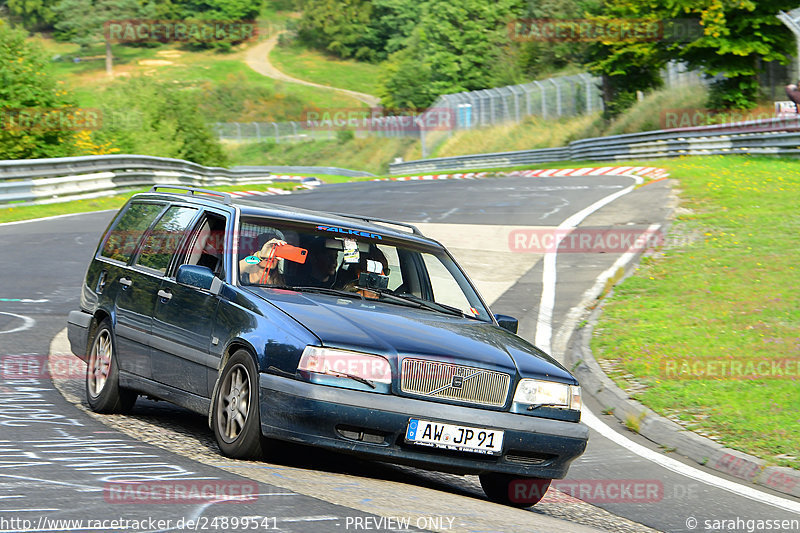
(353, 263)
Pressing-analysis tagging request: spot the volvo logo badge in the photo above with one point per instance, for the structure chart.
(458, 382)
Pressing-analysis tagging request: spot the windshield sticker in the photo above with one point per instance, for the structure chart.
(374, 267)
(351, 254)
(252, 260)
(359, 233)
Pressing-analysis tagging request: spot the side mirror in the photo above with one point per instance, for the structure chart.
(199, 277)
(507, 322)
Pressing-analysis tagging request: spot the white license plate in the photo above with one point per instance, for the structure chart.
(452, 437)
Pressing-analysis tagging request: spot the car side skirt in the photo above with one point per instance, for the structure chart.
(190, 401)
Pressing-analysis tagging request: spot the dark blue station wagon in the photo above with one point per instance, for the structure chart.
(357, 335)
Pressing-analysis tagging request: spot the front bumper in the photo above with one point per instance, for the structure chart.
(374, 426)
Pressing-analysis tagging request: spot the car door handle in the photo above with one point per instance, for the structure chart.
(165, 295)
(125, 282)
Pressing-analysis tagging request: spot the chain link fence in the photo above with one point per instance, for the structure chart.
(564, 96)
(551, 98)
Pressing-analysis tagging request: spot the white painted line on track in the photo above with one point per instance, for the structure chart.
(588, 418)
(54, 217)
(27, 510)
(310, 519)
(27, 323)
(544, 325)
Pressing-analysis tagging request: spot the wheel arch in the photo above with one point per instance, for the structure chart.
(232, 347)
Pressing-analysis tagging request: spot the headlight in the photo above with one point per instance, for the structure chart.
(367, 369)
(537, 393)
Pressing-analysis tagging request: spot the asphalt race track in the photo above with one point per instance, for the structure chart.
(59, 462)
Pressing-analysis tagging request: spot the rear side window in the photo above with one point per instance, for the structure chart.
(123, 238)
(162, 243)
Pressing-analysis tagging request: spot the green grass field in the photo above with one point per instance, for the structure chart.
(723, 290)
(29, 212)
(371, 154)
(187, 69)
(317, 67)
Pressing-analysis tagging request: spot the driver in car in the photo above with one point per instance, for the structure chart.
(323, 265)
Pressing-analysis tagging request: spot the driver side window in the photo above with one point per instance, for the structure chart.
(206, 246)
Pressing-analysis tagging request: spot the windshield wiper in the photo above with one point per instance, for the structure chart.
(327, 290)
(365, 381)
(421, 302)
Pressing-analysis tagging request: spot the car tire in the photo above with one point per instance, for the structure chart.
(515, 491)
(103, 393)
(235, 412)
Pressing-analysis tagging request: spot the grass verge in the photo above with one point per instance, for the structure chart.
(29, 212)
(371, 154)
(314, 66)
(722, 292)
(198, 70)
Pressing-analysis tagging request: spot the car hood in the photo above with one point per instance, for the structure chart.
(393, 330)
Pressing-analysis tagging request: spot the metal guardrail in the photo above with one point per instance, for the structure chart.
(326, 171)
(68, 178)
(777, 137)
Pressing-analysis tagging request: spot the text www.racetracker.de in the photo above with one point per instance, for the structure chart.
(202, 523)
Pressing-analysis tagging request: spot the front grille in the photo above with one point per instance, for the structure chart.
(436, 380)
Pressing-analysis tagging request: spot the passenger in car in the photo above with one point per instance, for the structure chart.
(266, 271)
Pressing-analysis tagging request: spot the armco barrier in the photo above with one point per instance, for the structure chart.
(779, 137)
(69, 178)
(326, 171)
(60, 179)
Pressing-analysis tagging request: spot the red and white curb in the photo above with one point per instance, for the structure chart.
(269, 192)
(645, 172)
(652, 173)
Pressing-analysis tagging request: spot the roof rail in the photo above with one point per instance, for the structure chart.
(223, 197)
(415, 230)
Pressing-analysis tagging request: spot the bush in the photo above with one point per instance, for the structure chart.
(27, 86)
(141, 116)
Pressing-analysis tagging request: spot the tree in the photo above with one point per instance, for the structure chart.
(453, 48)
(35, 14)
(218, 11)
(393, 23)
(339, 27)
(143, 116)
(738, 36)
(27, 89)
(83, 21)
